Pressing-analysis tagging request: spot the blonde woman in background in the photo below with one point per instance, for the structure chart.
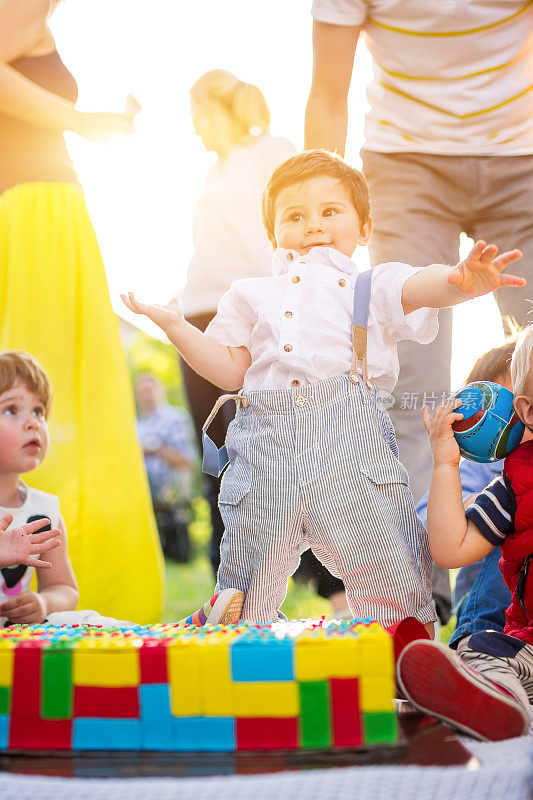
(232, 119)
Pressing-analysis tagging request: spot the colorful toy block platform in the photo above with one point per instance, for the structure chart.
(286, 686)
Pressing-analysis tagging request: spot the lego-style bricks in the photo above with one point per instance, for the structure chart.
(285, 686)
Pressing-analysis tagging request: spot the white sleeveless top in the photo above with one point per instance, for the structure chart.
(17, 579)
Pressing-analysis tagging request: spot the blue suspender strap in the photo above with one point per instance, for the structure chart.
(361, 305)
(215, 458)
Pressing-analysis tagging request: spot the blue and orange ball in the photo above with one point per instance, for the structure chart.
(490, 427)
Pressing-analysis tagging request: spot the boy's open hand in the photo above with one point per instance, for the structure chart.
(21, 545)
(439, 427)
(480, 272)
(163, 316)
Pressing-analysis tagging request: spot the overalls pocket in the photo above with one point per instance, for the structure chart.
(375, 441)
(237, 480)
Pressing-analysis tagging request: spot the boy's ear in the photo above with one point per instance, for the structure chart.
(524, 409)
(365, 232)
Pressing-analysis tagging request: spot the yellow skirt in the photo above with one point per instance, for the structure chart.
(54, 303)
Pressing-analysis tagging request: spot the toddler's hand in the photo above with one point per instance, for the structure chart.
(21, 545)
(443, 443)
(163, 316)
(26, 608)
(480, 272)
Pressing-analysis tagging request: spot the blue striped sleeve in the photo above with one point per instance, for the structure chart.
(493, 511)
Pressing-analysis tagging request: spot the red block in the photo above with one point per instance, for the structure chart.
(40, 734)
(153, 659)
(106, 701)
(345, 716)
(267, 733)
(25, 699)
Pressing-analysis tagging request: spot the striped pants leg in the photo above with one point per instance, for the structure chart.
(503, 659)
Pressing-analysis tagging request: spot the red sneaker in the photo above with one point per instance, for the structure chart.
(436, 681)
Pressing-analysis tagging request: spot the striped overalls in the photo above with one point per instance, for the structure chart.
(317, 466)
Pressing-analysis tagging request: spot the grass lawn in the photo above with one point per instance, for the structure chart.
(190, 585)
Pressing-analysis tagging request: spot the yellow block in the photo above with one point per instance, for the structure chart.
(106, 666)
(215, 672)
(183, 667)
(376, 653)
(280, 699)
(7, 657)
(376, 693)
(319, 659)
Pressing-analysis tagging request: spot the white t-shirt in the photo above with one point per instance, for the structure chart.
(450, 76)
(297, 323)
(17, 579)
(229, 239)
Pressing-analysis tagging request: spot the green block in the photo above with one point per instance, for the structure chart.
(380, 727)
(56, 684)
(315, 724)
(5, 699)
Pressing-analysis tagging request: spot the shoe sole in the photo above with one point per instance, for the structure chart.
(431, 679)
(227, 609)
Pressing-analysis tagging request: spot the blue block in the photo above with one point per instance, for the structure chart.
(255, 662)
(156, 717)
(4, 731)
(201, 734)
(96, 733)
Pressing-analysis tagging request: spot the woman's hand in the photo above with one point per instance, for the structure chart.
(22, 546)
(100, 126)
(480, 272)
(439, 427)
(26, 608)
(165, 317)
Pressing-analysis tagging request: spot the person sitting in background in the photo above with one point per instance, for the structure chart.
(480, 595)
(165, 436)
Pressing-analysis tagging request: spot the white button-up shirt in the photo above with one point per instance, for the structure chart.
(297, 323)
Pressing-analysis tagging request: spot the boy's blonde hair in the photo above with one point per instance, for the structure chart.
(521, 361)
(244, 102)
(311, 164)
(16, 365)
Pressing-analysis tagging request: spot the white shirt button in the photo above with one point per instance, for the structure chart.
(342, 282)
(295, 382)
(300, 400)
(288, 314)
(287, 348)
(296, 279)
(289, 256)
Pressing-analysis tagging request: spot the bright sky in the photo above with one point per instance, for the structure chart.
(140, 191)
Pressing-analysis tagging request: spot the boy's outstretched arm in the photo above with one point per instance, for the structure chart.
(440, 286)
(453, 538)
(219, 364)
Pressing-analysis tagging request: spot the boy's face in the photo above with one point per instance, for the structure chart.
(24, 436)
(318, 212)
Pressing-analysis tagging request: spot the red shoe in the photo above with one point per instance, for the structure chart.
(436, 681)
